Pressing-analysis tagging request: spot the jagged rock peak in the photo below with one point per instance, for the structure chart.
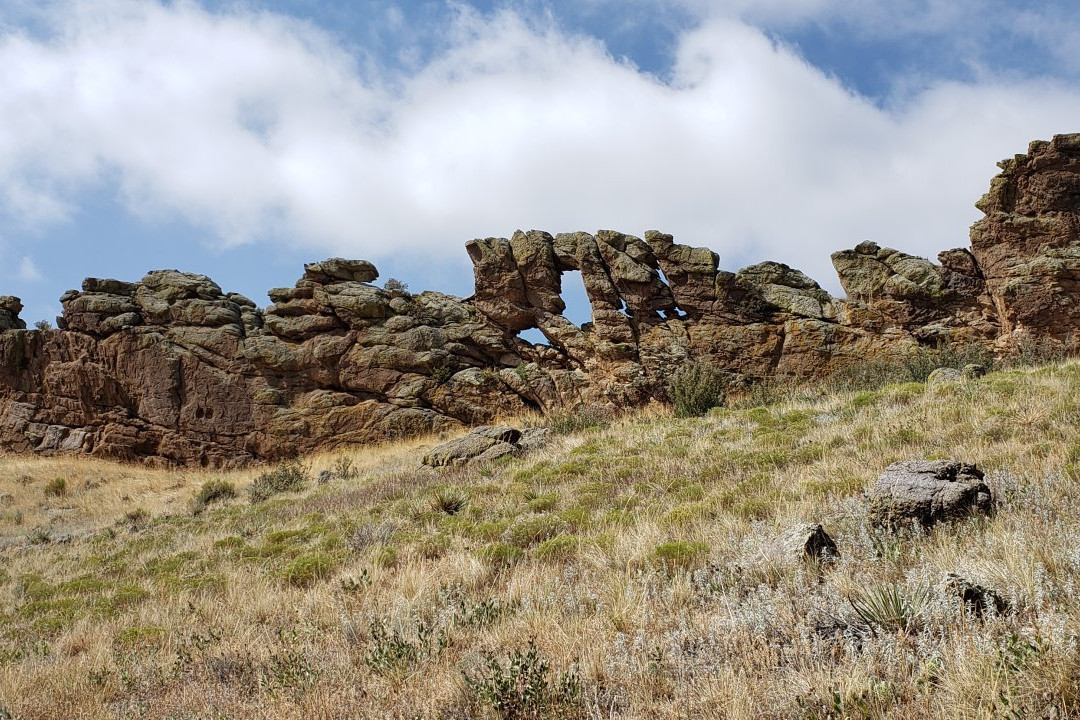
(10, 307)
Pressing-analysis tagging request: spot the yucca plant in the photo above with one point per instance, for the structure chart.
(449, 500)
(891, 609)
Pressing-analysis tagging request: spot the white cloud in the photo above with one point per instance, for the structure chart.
(28, 271)
(257, 126)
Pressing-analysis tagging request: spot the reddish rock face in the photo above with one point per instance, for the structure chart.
(172, 369)
(1027, 245)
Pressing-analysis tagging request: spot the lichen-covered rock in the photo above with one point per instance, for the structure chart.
(788, 290)
(356, 304)
(690, 272)
(108, 287)
(927, 492)
(633, 269)
(482, 443)
(872, 272)
(340, 270)
(942, 375)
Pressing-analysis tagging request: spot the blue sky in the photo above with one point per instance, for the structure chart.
(241, 139)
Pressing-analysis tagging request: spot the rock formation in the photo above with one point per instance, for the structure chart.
(926, 492)
(173, 369)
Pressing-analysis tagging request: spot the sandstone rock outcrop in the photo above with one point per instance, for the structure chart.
(174, 369)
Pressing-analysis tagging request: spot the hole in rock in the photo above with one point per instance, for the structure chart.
(534, 336)
(663, 277)
(578, 308)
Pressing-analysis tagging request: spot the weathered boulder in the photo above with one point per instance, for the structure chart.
(942, 375)
(500, 290)
(806, 541)
(975, 599)
(633, 269)
(927, 492)
(108, 287)
(356, 304)
(340, 270)
(788, 290)
(972, 371)
(872, 272)
(534, 254)
(10, 307)
(482, 443)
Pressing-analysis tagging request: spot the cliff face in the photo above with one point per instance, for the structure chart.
(173, 369)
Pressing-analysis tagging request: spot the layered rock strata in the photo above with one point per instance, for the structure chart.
(173, 369)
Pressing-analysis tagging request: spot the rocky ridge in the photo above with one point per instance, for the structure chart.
(173, 369)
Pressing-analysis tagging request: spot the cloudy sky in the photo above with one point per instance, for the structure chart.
(241, 139)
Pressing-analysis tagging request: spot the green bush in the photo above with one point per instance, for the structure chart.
(522, 687)
(433, 547)
(578, 419)
(532, 530)
(212, 491)
(500, 555)
(56, 488)
(287, 477)
(674, 555)
(344, 469)
(557, 548)
(696, 388)
(308, 569)
(391, 650)
(393, 285)
(386, 557)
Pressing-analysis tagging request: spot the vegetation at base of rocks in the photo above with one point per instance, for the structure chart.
(627, 569)
(287, 477)
(577, 419)
(696, 388)
(343, 468)
(1031, 351)
(913, 366)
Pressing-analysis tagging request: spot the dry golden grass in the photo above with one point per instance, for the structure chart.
(624, 571)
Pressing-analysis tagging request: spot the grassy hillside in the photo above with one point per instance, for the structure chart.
(626, 570)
